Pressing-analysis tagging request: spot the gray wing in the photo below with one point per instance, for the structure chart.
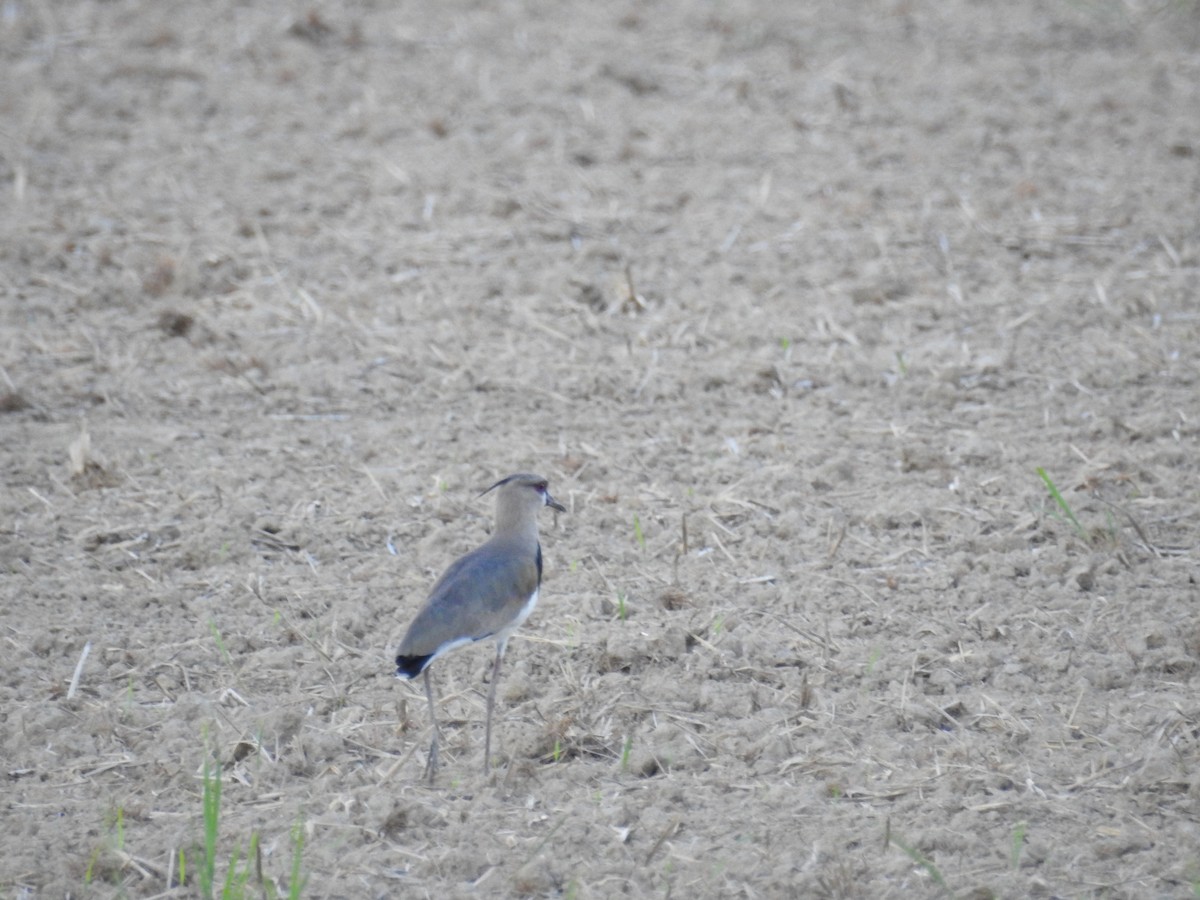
(476, 597)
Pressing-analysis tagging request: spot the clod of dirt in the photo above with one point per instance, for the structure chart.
(395, 822)
(591, 296)
(12, 402)
(672, 599)
(84, 467)
(158, 280)
(1085, 577)
(639, 83)
(176, 324)
(311, 28)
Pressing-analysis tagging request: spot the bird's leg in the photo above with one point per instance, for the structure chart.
(487, 743)
(431, 763)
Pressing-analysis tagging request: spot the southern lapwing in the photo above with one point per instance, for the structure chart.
(484, 595)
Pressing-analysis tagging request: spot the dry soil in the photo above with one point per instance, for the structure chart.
(790, 301)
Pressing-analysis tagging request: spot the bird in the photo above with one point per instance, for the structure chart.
(484, 595)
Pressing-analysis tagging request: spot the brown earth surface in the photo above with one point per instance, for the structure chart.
(790, 301)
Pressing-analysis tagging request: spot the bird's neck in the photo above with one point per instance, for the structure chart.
(516, 527)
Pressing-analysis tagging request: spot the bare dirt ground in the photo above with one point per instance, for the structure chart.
(789, 301)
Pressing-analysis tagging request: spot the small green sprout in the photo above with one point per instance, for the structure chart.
(1018, 843)
(625, 752)
(1061, 501)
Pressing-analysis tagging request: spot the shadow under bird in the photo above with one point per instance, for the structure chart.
(485, 595)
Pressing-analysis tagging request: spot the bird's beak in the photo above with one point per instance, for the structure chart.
(554, 504)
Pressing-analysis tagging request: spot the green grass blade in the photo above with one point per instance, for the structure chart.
(235, 886)
(216, 633)
(212, 820)
(1061, 501)
(625, 753)
(88, 874)
(297, 881)
(923, 861)
(1018, 843)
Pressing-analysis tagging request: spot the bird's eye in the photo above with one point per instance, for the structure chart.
(541, 486)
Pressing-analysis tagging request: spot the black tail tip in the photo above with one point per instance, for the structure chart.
(411, 666)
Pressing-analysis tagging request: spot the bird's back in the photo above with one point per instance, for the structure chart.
(476, 597)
